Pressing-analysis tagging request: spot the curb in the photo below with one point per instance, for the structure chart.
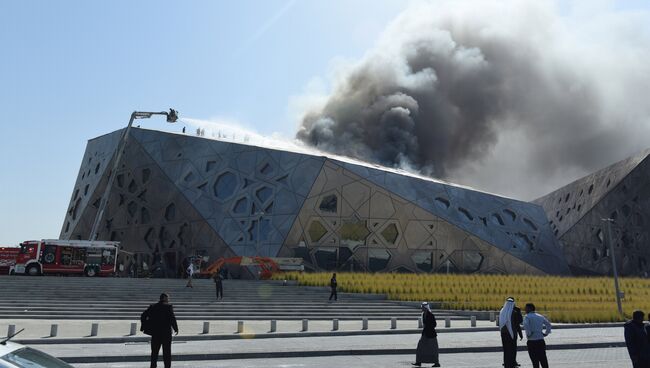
(276, 335)
(323, 353)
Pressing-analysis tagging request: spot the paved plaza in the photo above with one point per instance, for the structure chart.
(589, 358)
(74, 304)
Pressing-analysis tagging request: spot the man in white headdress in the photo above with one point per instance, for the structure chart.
(510, 319)
(427, 350)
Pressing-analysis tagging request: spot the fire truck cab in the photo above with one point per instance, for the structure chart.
(91, 258)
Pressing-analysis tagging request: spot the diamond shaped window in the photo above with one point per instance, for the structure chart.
(353, 232)
(316, 231)
(390, 233)
(329, 203)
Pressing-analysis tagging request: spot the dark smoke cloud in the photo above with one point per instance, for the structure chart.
(512, 98)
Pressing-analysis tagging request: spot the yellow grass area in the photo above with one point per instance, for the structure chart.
(561, 299)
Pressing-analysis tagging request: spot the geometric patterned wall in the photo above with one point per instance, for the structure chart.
(620, 192)
(351, 223)
(177, 195)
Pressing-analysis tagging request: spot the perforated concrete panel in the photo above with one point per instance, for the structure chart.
(620, 192)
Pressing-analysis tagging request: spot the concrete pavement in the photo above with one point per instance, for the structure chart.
(587, 358)
(452, 342)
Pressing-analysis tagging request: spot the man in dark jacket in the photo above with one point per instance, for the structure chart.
(636, 340)
(158, 321)
(333, 285)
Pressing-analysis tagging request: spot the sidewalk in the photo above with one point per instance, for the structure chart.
(586, 358)
(451, 342)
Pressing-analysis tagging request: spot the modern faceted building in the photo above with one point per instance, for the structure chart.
(577, 213)
(177, 195)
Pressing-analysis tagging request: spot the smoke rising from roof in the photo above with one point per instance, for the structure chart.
(513, 98)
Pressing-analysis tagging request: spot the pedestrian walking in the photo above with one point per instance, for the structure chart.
(190, 274)
(158, 321)
(510, 326)
(636, 340)
(537, 327)
(427, 350)
(333, 285)
(218, 282)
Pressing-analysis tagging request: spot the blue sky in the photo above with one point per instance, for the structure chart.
(73, 70)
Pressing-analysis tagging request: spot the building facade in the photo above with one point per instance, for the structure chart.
(616, 199)
(176, 195)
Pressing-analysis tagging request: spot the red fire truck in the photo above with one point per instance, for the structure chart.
(91, 258)
(7, 258)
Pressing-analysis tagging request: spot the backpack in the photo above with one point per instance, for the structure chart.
(145, 322)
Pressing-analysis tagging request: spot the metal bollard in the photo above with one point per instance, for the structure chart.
(305, 325)
(94, 328)
(364, 323)
(11, 330)
(206, 328)
(335, 325)
(492, 317)
(420, 324)
(497, 320)
(448, 322)
(134, 328)
(473, 321)
(393, 323)
(53, 330)
(240, 326)
(274, 325)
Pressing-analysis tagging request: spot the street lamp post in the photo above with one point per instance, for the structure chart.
(172, 116)
(614, 270)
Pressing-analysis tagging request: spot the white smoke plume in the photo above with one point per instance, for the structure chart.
(516, 97)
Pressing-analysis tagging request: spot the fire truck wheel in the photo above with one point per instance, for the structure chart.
(90, 272)
(33, 270)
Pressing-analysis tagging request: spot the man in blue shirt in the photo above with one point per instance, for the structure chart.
(537, 327)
